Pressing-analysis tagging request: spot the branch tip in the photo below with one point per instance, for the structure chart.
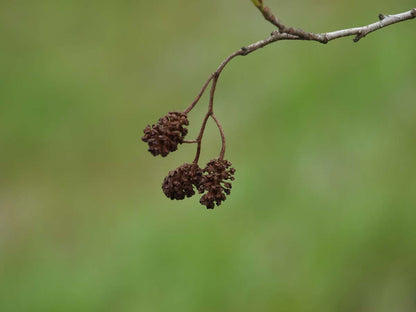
(258, 3)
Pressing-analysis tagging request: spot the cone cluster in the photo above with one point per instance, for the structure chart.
(213, 180)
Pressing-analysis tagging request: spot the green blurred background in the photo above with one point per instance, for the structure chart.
(322, 212)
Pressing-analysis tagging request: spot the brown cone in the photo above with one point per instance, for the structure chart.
(165, 136)
(215, 183)
(181, 181)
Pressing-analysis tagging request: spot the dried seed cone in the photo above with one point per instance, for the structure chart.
(165, 136)
(180, 182)
(215, 182)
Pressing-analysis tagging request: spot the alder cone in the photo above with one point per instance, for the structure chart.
(180, 182)
(165, 136)
(215, 182)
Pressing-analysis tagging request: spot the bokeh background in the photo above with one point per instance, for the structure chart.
(322, 213)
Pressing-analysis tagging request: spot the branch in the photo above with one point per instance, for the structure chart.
(360, 32)
(222, 136)
(284, 33)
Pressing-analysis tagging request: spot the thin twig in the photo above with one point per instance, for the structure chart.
(222, 136)
(212, 93)
(199, 138)
(216, 73)
(359, 32)
(198, 97)
(214, 77)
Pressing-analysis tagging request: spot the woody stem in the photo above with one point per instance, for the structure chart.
(198, 97)
(199, 138)
(222, 136)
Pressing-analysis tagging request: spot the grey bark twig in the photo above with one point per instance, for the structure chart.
(289, 33)
(284, 33)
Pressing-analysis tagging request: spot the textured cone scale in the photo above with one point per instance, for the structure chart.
(216, 174)
(180, 182)
(165, 136)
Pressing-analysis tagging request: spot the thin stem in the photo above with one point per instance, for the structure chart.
(212, 93)
(223, 145)
(214, 74)
(214, 78)
(198, 97)
(225, 62)
(190, 141)
(199, 138)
